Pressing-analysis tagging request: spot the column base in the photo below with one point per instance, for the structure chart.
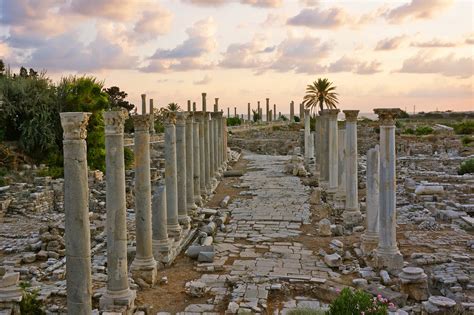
(192, 205)
(174, 231)
(112, 299)
(185, 221)
(160, 247)
(351, 217)
(389, 258)
(144, 269)
(369, 242)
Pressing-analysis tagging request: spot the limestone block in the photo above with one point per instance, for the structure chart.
(333, 260)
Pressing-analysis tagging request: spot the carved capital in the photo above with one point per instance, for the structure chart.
(74, 125)
(141, 122)
(214, 115)
(115, 121)
(181, 118)
(170, 118)
(387, 115)
(190, 118)
(351, 115)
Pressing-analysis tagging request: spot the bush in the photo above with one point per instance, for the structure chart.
(467, 167)
(128, 157)
(351, 302)
(53, 171)
(409, 131)
(423, 130)
(464, 128)
(233, 121)
(283, 118)
(297, 118)
(255, 116)
(30, 304)
(467, 140)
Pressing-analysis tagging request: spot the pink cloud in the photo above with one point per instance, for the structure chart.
(435, 42)
(349, 64)
(390, 43)
(448, 65)
(317, 18)
(418, 9)
(263, 3)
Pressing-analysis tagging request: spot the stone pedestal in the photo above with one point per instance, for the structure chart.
(171, 178)
(190, 202)
(196, 165)
(351, 215)
(387, 253)
(324, 152)
(183, 217)
(333, 160)
(76, 206)
(144, 265)
(439, 305)
(161, 244)
(370, 238)
(118, 292)
(414, 282)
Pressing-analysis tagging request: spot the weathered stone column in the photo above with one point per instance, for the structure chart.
(189, 105)
(76, 206)
(194, 107)
(202, 152)
(196, 164)
(152, 117)
(267, 113)
(341, 155)
(235, 112)
(333, 166)
(190, 162)
(216, 104)
(160, 242)
(118, 291)
(302, 113)
(259, 110)
(292, 111)
(324, 152)
(181, 164)
(387, 253)
(215, 124)
(351, 215)
(212, 149)
(171, 177)
(224, 124)
(248, 112)
(274, 112)
(144, 265)
(207, 149)
(307, 138)
(370, 238)
(143, 104)
(228, 112)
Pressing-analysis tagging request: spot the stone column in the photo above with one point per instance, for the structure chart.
(181, 164)
(292, 111)
(216, 105)
(194, 107)
(274, 112)
(260, 114)
(267, 113)
(387, 253)
(189, 105)
(76, 206)
(190, 162)
(351, 214)
(317, 142)
(212, 149)
(215, 142)
(144, 265)
(307, 139)
(207, 150)
(259, 110)
(224, 123)
(174, 229)
(161, 244)
(370, 238)
(301, 113)
(143, 104)
(248, 112)
(333, 167)
(196, 165)
(202, 152)
(235, 112)
(341, 155)
(324, 152)
(152, 117)
(118, 291)
(228, 112)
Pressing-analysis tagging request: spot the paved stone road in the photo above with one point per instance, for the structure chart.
(259, 251)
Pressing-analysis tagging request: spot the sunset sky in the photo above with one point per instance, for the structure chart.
(377, 53)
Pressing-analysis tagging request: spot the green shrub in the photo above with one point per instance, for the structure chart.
(53, 171)
(255, 115)
(467, 140)
(159, 126)
(233, 121)
(3, 181)
(30, 304)
(464, 128)
(297, 119)
(128, 157)
(409, 131)
(351, 302)
(403, 114)
(283, 118)
(423, 130)
(467, 167)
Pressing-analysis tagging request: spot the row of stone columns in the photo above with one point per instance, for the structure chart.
(185, 185)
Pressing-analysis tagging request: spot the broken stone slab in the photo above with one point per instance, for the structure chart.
(429, 190)
(333, 260)
(336, 245)
(233, 173)
(207, 241)
(439, 305)
(225, 202)
(194, 250)
(325, 227)
(385, 277)
(196, 288)
(206, 257)
(210, 228)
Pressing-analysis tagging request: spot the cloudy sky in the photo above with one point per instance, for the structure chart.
(377, 53)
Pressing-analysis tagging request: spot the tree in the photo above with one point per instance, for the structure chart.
(2, 67)
(255, 115)
(117, 98)
(173, 107)
(320, 93)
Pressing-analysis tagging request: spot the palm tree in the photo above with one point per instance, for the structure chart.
(319, 93)
(173, 107)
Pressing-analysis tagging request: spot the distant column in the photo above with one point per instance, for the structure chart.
(190, 162)
(333, 166)
(274, 112)
(212, 149)
(235, 112)
(196, 164)
(144, 265)
(174, 229)
(352, 215)
(76, 205)
(215, 125)
(259, 110)
(370, 238)
(181, 164)
(267, 113)
(194, 107)
(307, 139)
(248, 111)
(387, 253)
(228, 112)
(224, 123)
(216, 104)
(143, 104)
(189, 105)
(341, 155)
(301, 113)
(292, 111)
(118, 292)
(152, 117)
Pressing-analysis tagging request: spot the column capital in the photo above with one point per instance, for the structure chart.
(351, 115)
(181, 118)
(204, 94)
(333, 112)
(141, 122)
(387, 115)
(170, 118)
(190, 118)
(74, 125)
(306, 111)
(115, 121)
(215, 114)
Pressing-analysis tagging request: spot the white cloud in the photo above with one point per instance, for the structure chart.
(418, 9)
(206, 80)
(390, 43)
(448, 65)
